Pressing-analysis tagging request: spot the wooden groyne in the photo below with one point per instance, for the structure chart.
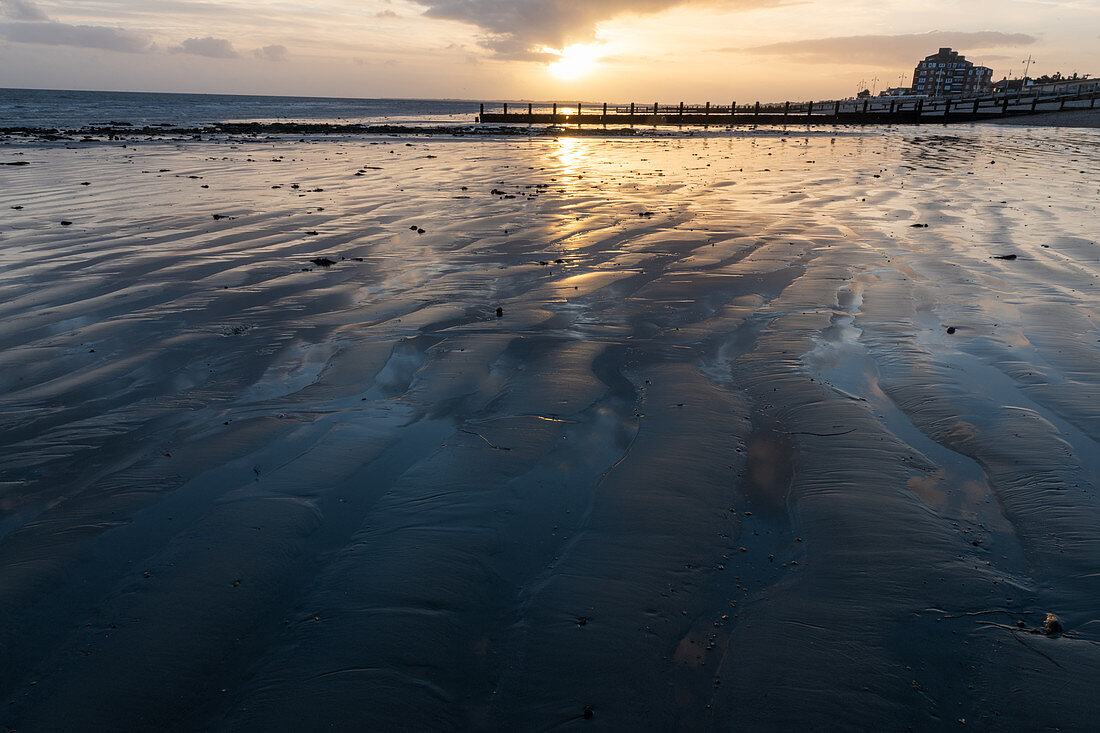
(876, 111)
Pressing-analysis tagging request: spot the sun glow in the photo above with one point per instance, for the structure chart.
(574, 61)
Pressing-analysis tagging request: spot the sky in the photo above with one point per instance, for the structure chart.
(591, 50)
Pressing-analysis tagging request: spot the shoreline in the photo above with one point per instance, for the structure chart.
(1089, 118)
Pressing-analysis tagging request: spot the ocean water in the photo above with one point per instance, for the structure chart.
(43, 108)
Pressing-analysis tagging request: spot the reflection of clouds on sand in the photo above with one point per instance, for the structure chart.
(725, 450)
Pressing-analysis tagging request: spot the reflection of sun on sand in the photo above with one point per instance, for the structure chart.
(574, 61)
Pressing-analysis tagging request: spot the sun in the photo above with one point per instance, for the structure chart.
(574, 61)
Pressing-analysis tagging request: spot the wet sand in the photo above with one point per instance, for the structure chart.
(719, 463)
(1089, 118)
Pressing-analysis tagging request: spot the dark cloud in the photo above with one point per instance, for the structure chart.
(521, 28)
(271, 53)
(84, 36)
(888, 50)
(215, 48)
(22, 10)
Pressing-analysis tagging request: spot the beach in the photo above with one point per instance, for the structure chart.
(767, 430)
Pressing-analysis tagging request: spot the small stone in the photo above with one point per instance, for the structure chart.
(588, 712)
(323, 262)
(66, 223)
(950, 329)
(1052, 624)
(500, 312)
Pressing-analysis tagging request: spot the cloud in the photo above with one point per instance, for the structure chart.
(520, 29)
(386, 14)
(271, 53)
(84, 36)
(215, 48)
(887, 50)
(22, 10)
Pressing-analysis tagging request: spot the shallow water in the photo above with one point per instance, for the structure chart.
(721, 466)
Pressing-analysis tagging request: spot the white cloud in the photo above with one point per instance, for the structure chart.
(84, 36)
(22, 10)
(215, 48)
(274, 52)
(886, 49)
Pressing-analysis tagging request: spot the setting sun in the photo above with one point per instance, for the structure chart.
(574, 61)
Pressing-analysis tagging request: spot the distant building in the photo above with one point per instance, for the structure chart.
(946, 73)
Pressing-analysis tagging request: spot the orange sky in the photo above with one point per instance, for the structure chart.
(666, 50)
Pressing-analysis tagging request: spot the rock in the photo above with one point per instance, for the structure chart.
(588, 712)
(17, 162)
(1004, 257)
(1052, 624)
(66, 223)
(950, 329)
(413, 228)
(500, 312)
(323, 262)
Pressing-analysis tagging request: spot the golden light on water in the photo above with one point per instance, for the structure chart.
(574, 61)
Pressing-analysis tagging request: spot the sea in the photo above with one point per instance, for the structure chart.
(70, 109)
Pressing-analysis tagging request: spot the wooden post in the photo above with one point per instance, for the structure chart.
(866, 104)
(977, 102)
(1004, 105)
(836, 111)
(810, 110)
(605, 110)
(578, 109)
(654, 109)
(786, 109)
(505, 108)
(1062, 106)
(920, 110)
(706, 111)
(893, 103)
(681, 111)
(946, 110)
(1034, 102)
(733, 111)
(482, 109)
(632, 114)
(756, 113)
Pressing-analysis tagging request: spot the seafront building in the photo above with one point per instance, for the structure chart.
(946, 73)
